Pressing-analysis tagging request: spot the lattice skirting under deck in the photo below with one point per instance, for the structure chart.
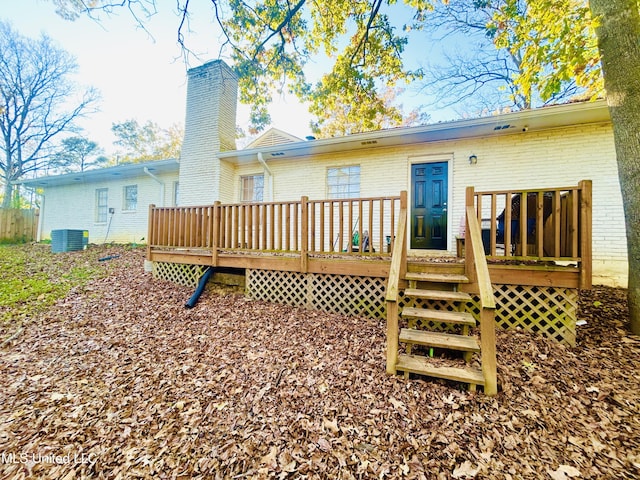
(331, 293)
(182, 274)
(548, 311)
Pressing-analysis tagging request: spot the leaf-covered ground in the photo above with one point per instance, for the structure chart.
(119, 380)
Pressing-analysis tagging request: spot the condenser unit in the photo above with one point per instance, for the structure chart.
(68, 240)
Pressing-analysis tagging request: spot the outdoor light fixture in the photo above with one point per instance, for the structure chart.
(473, 159)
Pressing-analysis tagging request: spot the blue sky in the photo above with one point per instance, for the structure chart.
(140, 74)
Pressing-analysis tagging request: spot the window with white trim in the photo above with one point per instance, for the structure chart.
(130, 203)
(343, 182)
(101, 205)
(251, 188)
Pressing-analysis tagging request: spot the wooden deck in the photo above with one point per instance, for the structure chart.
(318, 236)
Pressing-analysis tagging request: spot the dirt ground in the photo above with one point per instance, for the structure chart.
(119, 380)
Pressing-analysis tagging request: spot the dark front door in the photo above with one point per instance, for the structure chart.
(429, 205)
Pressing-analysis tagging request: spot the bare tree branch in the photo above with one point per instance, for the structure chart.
(35, 92)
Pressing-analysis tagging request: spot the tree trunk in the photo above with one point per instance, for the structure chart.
(8, 194)
(618, 40)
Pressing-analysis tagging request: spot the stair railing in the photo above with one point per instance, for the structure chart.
(477, 271)
(396, 272)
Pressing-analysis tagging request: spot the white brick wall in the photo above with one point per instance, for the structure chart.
(227, 179)
(74, 207)
(553, 158)
(209, 128)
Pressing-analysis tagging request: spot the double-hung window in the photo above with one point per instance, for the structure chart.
(101, 205)
(343, 182)
(130, 203)
(252, 188)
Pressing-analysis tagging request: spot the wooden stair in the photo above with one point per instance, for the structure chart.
(421, 365)
(449, 341)
(431, 285)
(440, 287)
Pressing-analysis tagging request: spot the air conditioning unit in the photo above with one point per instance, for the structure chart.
(68, 240)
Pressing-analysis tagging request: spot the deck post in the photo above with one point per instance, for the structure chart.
(397, 271)
(586, 188)
(392, 336)
(304, 235)
(404, 208)
(152, 206)
(469, 264)
(35, 228)
(474, 250)
(215, 237)
(488, 350)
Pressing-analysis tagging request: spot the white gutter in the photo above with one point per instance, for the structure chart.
(269, 196)
(146, 170)
(545, 118)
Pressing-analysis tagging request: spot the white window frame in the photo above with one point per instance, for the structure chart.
(127, 204)
(102, 209)
(257, 189)
(176, 193)
(343, 182)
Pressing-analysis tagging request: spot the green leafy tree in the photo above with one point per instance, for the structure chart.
(270, 42)
(78, 154)
(141, 143)
(35, 94)
(340, 119)
(501, 65)
(554, 43)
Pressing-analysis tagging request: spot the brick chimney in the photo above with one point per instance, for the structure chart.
(210, 128)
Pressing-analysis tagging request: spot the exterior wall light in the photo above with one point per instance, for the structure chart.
(473, 159)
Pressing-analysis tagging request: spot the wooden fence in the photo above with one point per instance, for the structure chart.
(18, 225)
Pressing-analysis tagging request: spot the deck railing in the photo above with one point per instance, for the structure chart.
(392, 296)
(477, 271)
(555, 226)
(355, 226)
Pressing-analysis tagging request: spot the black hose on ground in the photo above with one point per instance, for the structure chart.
(107, 258)
(201, 284)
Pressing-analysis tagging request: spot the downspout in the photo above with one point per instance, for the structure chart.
(146, 170)
(41, 219)
(270, 183)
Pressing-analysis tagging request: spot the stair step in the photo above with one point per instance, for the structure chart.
(439, 340)
(436, 277)
(422, 366)
(444, 316)
(445, 295)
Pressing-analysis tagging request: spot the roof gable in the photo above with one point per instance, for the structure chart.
(273, 136)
